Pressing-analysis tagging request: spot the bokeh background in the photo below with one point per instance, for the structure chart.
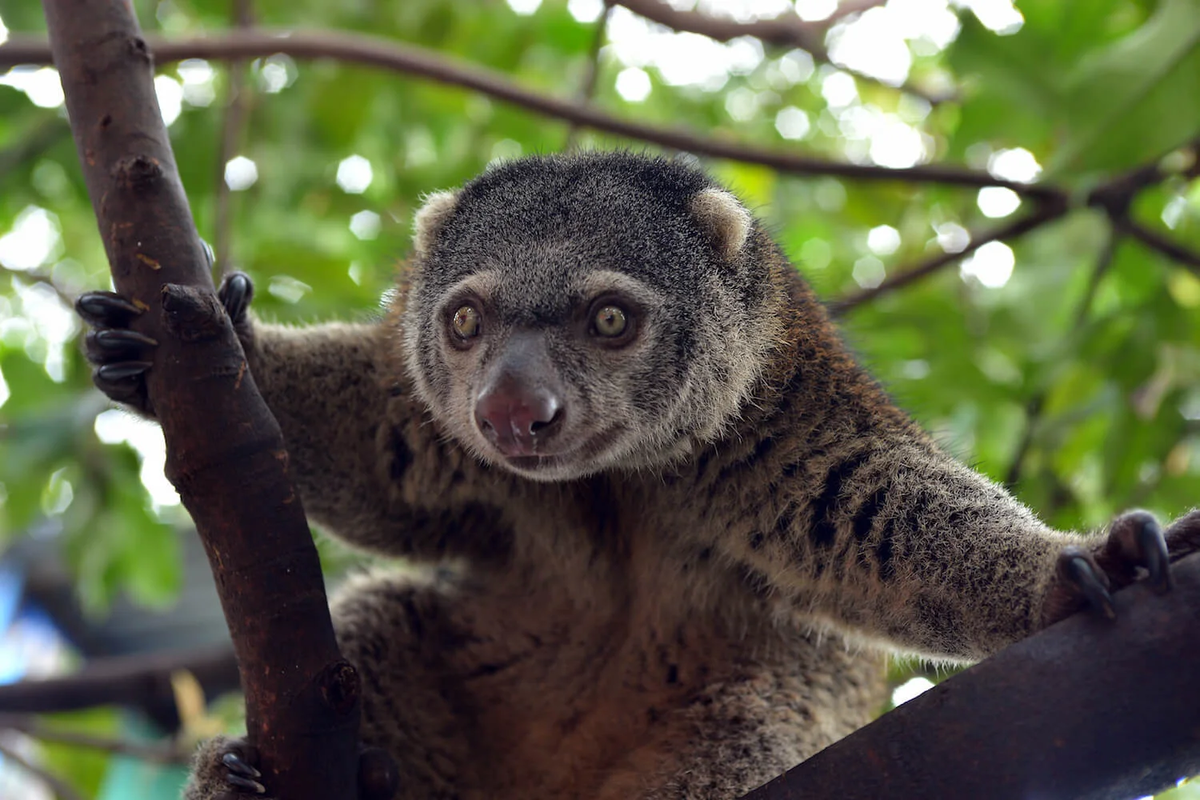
(1064, 362)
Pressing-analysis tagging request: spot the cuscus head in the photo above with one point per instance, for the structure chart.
(571, 314)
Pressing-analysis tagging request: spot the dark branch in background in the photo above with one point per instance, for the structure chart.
(410, 59)
(1156, 241)
(786, 30)
(31, 726)
(1088, 709)
(1037, 403)
(301, 695)
(40, 138)
(62, 790)
(1048, 212)
(592, 75)
(1115, 198)
(237, 112)
(142, 682)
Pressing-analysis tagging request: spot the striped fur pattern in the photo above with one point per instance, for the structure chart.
(684, 609)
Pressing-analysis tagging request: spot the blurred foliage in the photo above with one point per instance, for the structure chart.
(1099, 398)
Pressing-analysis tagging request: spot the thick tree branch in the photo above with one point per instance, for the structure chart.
(387, 54)
(1087, 710)
(301, 696)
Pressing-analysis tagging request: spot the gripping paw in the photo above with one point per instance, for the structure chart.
(122, 356)
(225, 769)
(1135, 542)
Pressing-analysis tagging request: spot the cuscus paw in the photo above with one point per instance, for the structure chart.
(225, 769)
(1136, 545)
(121, 356)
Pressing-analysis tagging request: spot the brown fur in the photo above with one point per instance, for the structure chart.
(684, 624)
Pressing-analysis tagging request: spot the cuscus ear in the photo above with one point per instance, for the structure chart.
(724, 219)
(431, 217)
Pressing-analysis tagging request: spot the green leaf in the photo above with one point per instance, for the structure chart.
(1136, 98)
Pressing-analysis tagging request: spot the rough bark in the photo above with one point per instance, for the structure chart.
(1086, 710)
(225, 452)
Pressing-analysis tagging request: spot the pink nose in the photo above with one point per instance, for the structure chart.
(518, 419)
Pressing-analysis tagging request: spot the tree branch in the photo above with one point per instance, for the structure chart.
(785, 30)
(62, 790)
(33, 727)
(237, 112)
(1037, 404)
(141, 681)
(590, 78)
(1049, 212)
(301, 696)
(1156, 241)
(410, 59)
(1087, 709)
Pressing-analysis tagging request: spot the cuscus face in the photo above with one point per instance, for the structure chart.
(568, 315)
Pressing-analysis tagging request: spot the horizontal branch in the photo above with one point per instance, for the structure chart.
(30, 725)
(903, 277)
(61, 789)
(391, 55)
(1087, 709)
(785, 30)
(140, 681)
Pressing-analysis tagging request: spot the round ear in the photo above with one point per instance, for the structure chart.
(724, 219)
(431, 217)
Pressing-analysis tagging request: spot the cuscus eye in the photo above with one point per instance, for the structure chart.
(466, 322)
(610, 321)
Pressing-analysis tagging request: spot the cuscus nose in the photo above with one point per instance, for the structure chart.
(519, 420)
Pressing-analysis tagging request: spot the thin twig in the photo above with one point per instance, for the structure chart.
(1037, 404)
(32, 726)
(785, 30)
(1044, 215)
(65, 296)
(62, 790)
(387, 54)
(592, 75)
(237, 112)
(1156, 241)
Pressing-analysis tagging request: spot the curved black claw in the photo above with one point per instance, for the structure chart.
(121, 356)
(106, 309)
(117, 340)
(1139, 539)
(121, 371)
(242, 775)
(1077, 567)
(236, 292)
